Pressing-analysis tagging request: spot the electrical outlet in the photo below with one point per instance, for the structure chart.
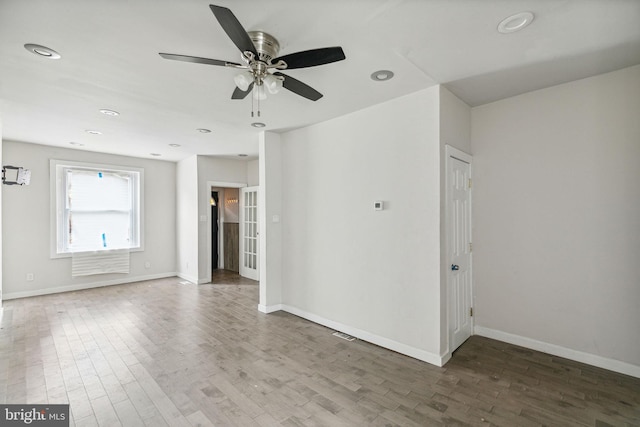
(29, 277)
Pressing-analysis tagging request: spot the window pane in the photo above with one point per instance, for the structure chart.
(92, 231)
(98, 191)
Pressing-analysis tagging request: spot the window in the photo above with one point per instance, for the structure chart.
(97, 207)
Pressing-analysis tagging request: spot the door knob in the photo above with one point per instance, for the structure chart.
(455, 267)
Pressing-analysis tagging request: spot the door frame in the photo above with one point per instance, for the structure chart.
(452, 152)
(218, 186)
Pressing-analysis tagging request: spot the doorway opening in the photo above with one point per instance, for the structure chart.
(225, 240)
(215, 238)
(226, 234)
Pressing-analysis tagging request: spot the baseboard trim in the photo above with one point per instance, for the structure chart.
(269, 308)
(83, 286)
(556, 350)
(390, 344)
(191, 279)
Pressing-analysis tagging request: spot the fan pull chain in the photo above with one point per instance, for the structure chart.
(254, 101)
(258, 102)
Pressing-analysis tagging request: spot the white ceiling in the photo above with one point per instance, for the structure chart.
(110, 60)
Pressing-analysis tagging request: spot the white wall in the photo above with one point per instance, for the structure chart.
(1, 286)
(187, 219)
(253, 172)
(211, 169)
(455, 130)
(270, 198)
(344, 264)
(26, 222)
(557, 218)
(455, 122)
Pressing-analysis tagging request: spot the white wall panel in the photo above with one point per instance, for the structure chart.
(557, 215)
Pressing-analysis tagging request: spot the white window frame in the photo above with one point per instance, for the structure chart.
(57, 194)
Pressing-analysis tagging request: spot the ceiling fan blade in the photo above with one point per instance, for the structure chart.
(233, 28)
(313, 57)
(196, 59)
(241, 94)
(302, 89)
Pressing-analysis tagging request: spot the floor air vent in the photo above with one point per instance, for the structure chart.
(344, 336)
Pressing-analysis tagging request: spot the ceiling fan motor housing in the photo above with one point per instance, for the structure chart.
(266, 45)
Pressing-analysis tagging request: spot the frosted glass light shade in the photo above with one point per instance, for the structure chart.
(243, 81)
(259, 93)
(272, 83)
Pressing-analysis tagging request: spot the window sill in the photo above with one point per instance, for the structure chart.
(70, 254)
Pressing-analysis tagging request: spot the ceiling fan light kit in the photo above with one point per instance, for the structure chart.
(260, 63)
(243, 81)
(273, 83)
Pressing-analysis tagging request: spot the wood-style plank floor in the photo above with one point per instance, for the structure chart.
(161, 353)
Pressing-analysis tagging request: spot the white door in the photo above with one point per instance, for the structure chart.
(249, 232)
(458, 193)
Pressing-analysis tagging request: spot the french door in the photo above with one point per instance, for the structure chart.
(249, 235)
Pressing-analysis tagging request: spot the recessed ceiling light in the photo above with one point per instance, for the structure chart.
(156, 154)
(515, 22)
(109, 112)
(242, 155)
(78, 144)
(174, 145)
(203, 130)
(382, 75)
(93, 132)
(258, 125)
(43, 51)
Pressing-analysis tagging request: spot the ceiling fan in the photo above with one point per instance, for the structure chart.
(260, 64)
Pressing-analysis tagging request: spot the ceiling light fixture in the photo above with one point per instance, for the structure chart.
(382, 75)
(156, 154)
(78, 144)
(174, 145)
(43, 51)
(257, 78)
(203, 130)
(260, 66)
(258, 125)
(109, 112)
(515, 22)
(93, 132)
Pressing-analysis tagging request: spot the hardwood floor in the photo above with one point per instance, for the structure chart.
(228, 277)
(160, 353)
